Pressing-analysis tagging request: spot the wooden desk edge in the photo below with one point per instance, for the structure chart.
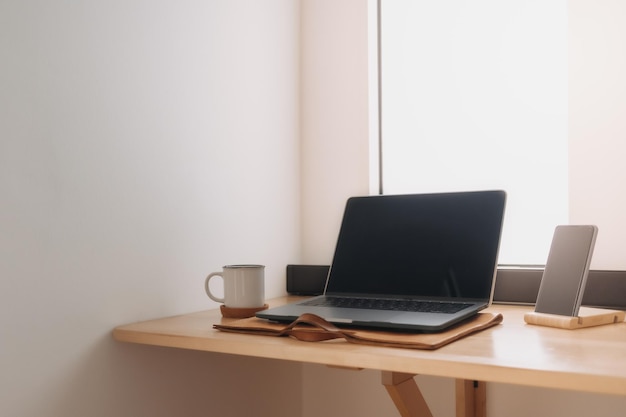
(359, 356)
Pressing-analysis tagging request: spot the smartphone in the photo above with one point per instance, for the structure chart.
(565, 275)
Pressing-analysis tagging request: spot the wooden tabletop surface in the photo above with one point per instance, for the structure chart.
(591, 359)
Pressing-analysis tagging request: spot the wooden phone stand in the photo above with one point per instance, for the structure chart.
(563, 282)
(587, 317)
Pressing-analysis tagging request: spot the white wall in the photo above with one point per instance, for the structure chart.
(597, 36)
(143, 144)
(334, 118)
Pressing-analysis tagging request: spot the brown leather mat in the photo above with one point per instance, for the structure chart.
(312, 328)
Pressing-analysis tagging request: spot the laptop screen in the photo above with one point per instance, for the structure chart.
(432, 245)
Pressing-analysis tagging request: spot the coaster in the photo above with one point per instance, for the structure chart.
(240, 313)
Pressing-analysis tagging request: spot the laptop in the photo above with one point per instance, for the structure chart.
(418, 262)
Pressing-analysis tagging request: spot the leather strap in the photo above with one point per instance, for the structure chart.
(320, 329)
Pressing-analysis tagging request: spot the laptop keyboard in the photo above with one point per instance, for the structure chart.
(388, 304)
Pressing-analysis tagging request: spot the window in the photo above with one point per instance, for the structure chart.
(474, 96)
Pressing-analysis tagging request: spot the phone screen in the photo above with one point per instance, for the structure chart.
(564, 278)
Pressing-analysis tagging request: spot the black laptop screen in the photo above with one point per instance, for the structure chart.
(433, 245)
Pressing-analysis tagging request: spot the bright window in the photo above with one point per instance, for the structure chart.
(474, 96)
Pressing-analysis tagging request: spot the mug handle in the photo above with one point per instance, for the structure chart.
(208, 290)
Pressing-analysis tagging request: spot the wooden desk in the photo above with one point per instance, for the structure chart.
(590, 360)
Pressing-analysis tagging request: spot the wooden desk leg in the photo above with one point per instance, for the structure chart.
(471, 398)
(405, 394)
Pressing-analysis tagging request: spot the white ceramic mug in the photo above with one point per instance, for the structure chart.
(244, 286)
